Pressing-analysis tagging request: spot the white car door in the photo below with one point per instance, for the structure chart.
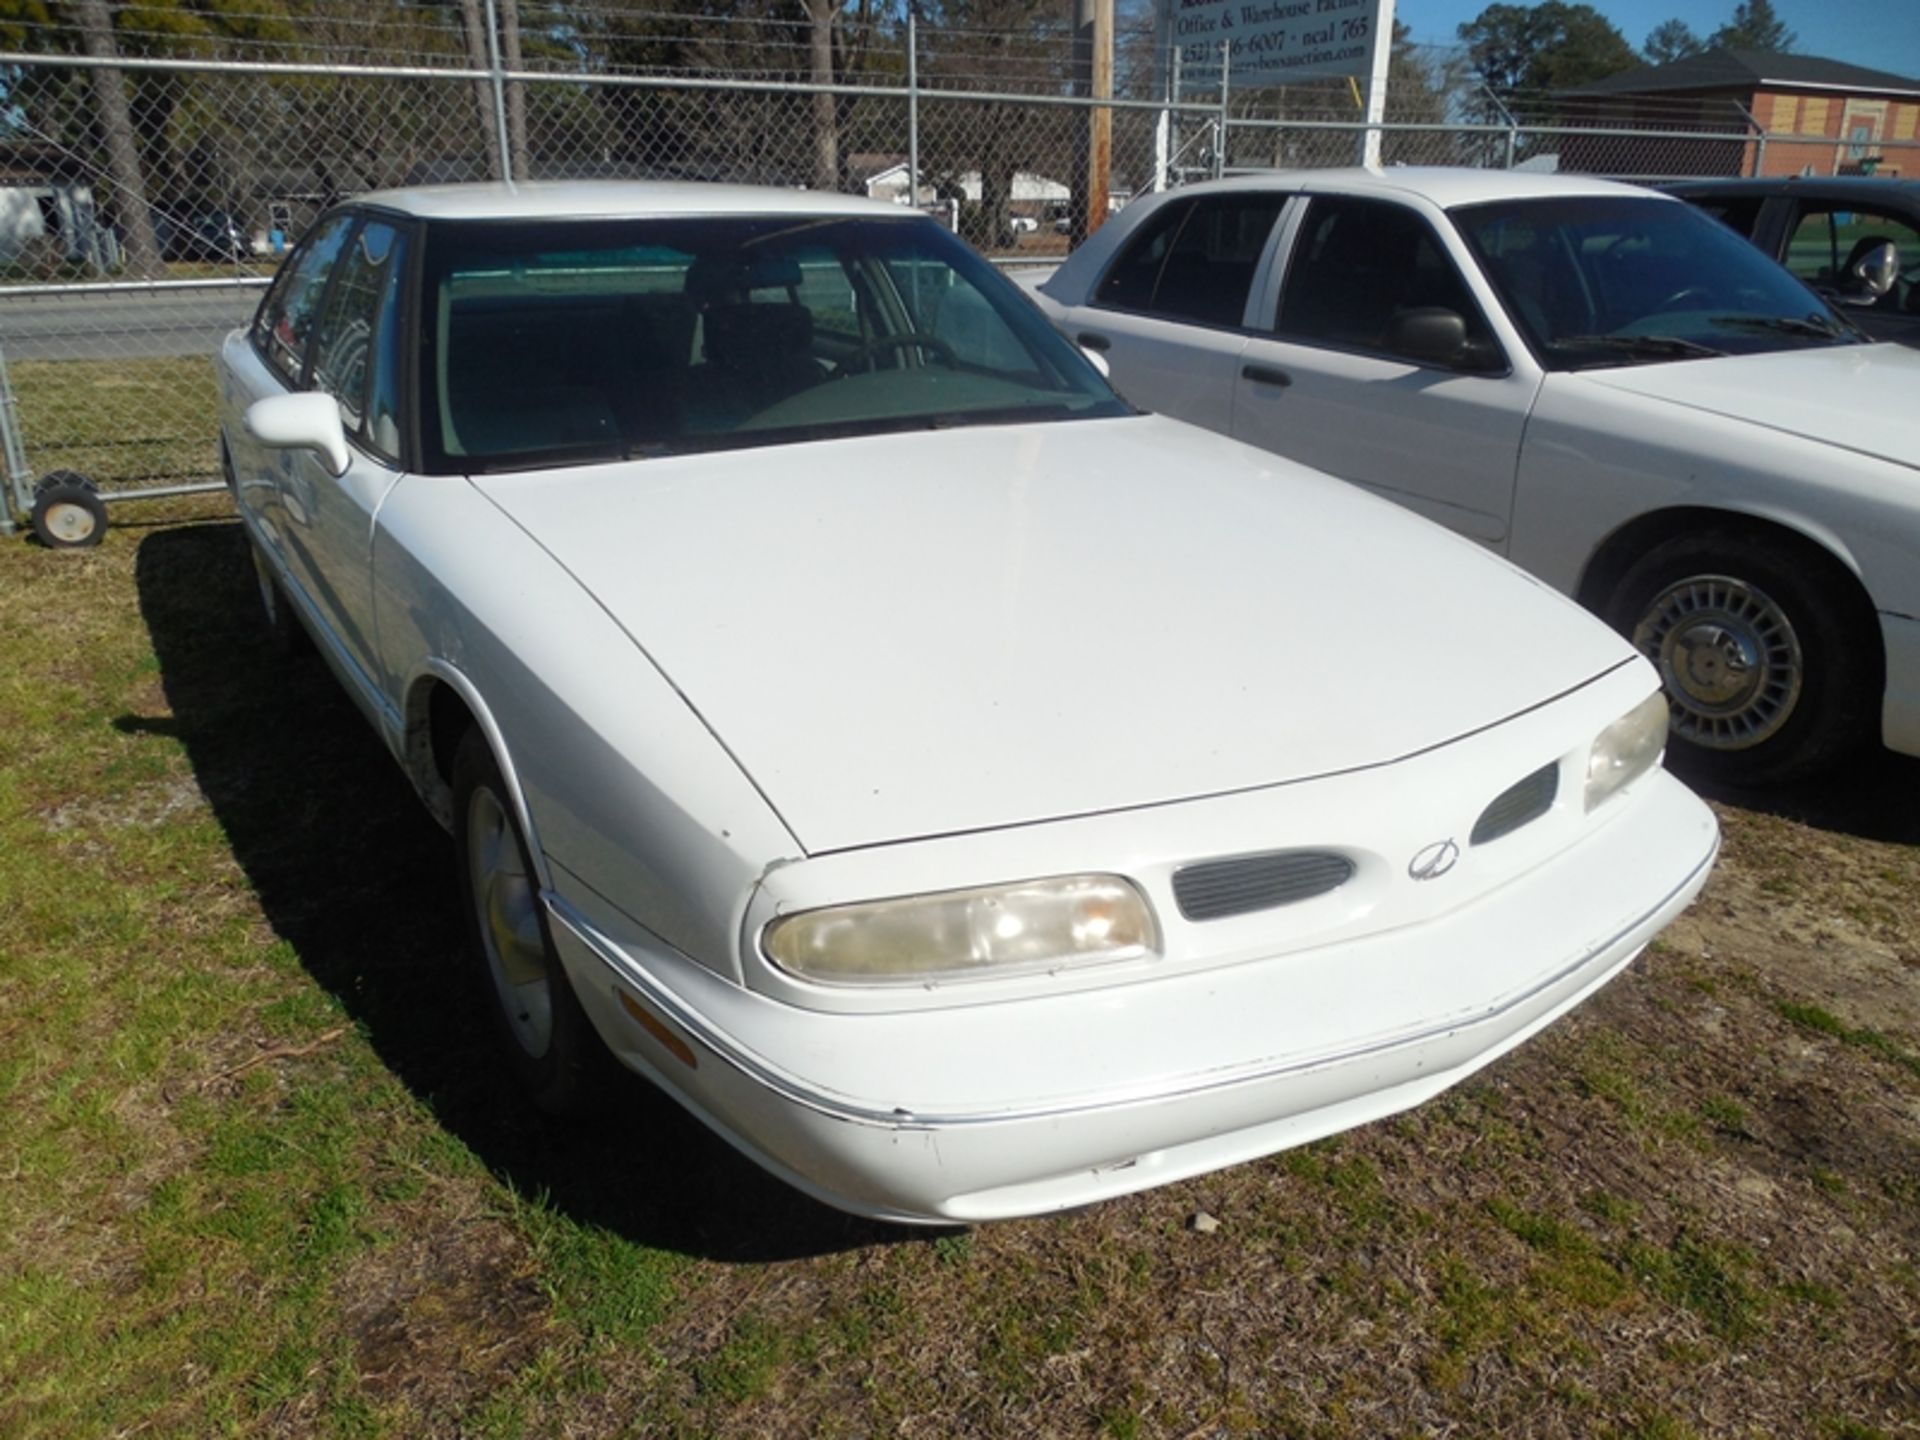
(1333, 380)
(1170, 312)
(327, 519)
(279, 340)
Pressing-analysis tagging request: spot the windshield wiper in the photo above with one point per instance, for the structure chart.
(1663, 347)
(1814, 325)
(995, 415)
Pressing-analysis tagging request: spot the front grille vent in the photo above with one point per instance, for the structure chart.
(1242, 884)
(1519, 804)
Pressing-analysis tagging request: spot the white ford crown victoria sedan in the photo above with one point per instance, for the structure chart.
(1598, 382)
(970, 797)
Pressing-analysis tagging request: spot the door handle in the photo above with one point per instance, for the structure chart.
(1266, 375)
(1095, 342)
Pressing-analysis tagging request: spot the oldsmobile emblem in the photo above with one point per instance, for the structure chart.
(1433, 861)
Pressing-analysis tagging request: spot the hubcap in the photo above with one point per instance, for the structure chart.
(70, 523)
(507, 909)
(1728, 657)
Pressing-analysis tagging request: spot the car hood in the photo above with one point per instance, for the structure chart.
(1859, 397)
(919, 634)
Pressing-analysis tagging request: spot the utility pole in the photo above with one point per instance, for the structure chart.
(1093, 78)
(1379, 61)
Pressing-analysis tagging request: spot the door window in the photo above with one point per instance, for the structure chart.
(356, 340)
(1197, 265)
(1828, 240)
(1358, 265)
(1737, 212)
(285, 322)
(1129, 283)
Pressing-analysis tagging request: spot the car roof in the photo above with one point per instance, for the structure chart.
(1860, 185)
(1445, 186)
(615, 199)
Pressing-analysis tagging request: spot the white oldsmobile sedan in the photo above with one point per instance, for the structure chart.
(1596, 381)
(968, 796)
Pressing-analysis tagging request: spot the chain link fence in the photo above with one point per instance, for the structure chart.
(156, 161)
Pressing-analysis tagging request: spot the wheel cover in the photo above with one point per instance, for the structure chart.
(1729, 658)
(506, 906)
(67, 522)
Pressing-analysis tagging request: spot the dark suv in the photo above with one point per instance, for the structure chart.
(1819, 228)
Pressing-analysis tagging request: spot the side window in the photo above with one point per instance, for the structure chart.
(827, 292)
(1210, 267)
(1357, 266)
(285, 321)
(1194, 261)
(357, 337)
(1130, 281)
(1827, 241)
(1739, 212)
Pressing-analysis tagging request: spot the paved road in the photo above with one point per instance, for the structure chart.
(121, 327)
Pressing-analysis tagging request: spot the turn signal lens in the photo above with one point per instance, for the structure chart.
(958, 934)
(1626, 749)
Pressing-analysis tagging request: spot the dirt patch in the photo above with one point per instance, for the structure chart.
(439, 1317)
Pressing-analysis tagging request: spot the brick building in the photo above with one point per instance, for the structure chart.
(1868, 121)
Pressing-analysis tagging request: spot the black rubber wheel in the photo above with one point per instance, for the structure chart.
(1770, 660)
(556, 1056)
(288, 635)
(68, 513)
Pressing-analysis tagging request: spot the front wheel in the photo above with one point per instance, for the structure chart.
(549, 1042)
(1769, 672)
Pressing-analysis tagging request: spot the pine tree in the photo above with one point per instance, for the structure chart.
(1754, 27)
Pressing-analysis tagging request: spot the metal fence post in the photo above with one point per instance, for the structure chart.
(1220, 140)
(502, 133)
(913, 105)
(17, 491)
(1163, 126)
(1760, 140)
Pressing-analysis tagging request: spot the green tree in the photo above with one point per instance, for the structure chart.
(985, 45)
(1671, 40)
(1754, 27)
(1534, 49)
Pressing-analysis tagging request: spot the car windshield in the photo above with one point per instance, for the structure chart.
(575, 341)
(1623, 280)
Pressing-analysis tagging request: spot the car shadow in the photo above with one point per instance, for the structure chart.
(1874, 797)
(355, 876)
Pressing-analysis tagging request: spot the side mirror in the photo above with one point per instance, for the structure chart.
(307, 421)
(1873, 274)
(1429, 334)
(1098, 361)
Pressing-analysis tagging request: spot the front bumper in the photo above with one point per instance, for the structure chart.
(1085, 1096)
(1900, 713)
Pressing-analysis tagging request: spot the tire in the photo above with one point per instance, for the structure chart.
(555, 1054)
(68, 513)
(1770, 662)
(289, 637)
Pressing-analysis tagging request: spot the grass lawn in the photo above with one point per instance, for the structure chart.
(119, 422)
(259, 1175)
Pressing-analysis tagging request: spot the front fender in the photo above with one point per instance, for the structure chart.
(630, 805)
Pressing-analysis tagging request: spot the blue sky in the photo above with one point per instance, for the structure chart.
(1880, 34)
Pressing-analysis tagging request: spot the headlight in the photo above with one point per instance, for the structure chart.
(1626, 749)
(956, 934)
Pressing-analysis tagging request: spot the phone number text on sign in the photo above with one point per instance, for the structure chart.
(1275, 39)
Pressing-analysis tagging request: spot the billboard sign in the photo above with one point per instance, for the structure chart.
(1275, 42)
